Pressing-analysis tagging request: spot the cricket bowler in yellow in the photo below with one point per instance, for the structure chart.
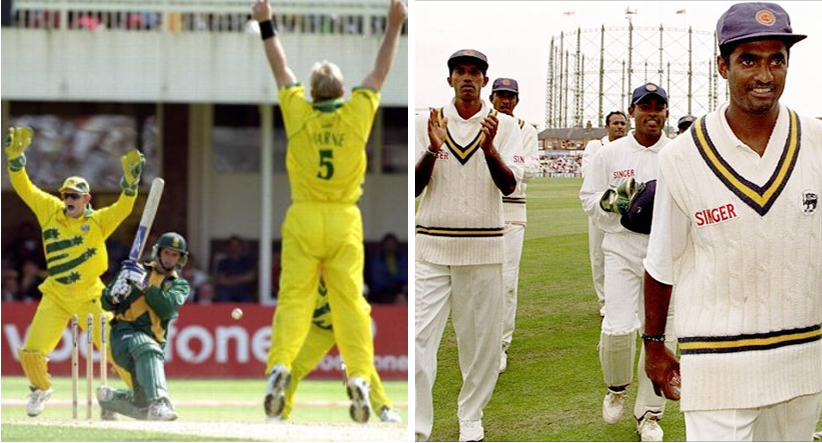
(74, 236)
(319, 341)
(322, 231)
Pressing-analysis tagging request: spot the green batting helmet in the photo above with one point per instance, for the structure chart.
(171, 240)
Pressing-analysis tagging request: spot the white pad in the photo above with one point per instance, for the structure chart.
(616, 355)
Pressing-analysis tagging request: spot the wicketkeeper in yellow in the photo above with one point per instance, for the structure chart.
(319, 341)
(322, 231)
(74, 236)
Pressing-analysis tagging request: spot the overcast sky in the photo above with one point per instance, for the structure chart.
(516, 36)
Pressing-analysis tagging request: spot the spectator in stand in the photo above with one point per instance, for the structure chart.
(31, 276)
(236, 274)
(10, 287)
(389, 272)
(195, 277)
(205, 294)
(26, 247)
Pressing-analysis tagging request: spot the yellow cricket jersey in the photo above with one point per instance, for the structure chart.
(75, 247)
(326, 158)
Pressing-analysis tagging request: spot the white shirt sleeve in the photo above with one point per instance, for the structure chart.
(669, 231)
(508, 143)
(531, 151)
(587, 155)
(420, 136)
(593, 187)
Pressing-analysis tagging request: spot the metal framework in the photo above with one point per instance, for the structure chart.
(592, 72)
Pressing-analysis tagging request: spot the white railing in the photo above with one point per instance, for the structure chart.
(335, 17)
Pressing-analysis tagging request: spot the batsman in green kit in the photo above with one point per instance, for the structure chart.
(319, 341)
(322, 231)
(144, 299)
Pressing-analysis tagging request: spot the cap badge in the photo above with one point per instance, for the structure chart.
(765, 17)
(506, 82)
(468, 52)
(649, 87)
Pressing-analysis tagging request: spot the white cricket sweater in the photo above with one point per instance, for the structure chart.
(748, 283)
(459, 220)
(514, 205)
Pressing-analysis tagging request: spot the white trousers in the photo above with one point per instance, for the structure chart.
(471, 294)
(595, 236)
(625, 312)
(792, 420)
(514, 236)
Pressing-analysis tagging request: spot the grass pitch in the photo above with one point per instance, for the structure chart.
(553, 388)
(209, 410)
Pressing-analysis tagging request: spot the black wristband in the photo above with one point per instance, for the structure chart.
(267, 29)
(656, 338)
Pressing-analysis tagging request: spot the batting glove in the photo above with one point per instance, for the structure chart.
(134, 273)
(17, 140)
(120, 289)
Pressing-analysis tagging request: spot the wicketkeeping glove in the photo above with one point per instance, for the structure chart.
(17, 140)
(133, 162)
(617, 198)
(640, 211)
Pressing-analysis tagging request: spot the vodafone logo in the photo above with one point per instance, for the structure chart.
(765, 17)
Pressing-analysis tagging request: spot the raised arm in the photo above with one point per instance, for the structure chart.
(271, 43)
(397, 14)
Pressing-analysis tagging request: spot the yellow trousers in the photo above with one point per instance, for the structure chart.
(323, 237)
(48, 324)
(316, 346)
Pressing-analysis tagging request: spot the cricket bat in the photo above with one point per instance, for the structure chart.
(149, 211)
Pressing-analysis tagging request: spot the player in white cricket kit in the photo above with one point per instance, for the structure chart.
(616, 123)
(633, 157)
(468, 158)
(504, 98)
(737, 239)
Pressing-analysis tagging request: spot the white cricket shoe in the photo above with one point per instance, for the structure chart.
(388, 415)
(105, 393)
(612, 406)
(503, 362)
(37, 401)
(360, 410)
(471, 430)
(648, 428)
(160, 410)
(278, 382)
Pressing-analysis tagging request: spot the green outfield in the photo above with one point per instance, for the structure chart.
(553, 388)
(207, 402)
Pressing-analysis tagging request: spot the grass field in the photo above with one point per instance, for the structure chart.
(553, 388)
(199, 403)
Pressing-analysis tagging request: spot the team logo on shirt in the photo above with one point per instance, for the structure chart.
(810, 201)
(715, 215)
(625, 173)
(85, 228)
(519, 159)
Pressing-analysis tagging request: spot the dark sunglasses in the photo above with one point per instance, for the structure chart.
(71, 196)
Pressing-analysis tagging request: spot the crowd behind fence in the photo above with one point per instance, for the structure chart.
(333, 17)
